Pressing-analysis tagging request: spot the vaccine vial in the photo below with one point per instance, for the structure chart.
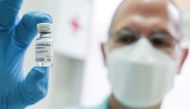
(44, 45)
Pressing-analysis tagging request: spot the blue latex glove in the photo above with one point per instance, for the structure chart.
(17, 91)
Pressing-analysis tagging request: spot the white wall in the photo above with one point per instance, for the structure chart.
(95, 84)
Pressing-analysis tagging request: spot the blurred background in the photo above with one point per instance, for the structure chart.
(78, 76)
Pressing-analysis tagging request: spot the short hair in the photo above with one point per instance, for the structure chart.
(118, 8)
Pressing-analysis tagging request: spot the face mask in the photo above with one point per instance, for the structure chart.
(140, 75)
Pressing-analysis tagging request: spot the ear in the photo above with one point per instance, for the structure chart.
(102, 46)
(183, 58)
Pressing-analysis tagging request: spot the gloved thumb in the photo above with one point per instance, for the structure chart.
(35, 86)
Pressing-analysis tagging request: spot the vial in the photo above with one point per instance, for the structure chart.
(44, 45)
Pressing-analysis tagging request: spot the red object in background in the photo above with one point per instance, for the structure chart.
(75, 25)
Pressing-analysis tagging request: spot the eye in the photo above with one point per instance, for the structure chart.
(161, 40)
(126, 37)
(157, 42)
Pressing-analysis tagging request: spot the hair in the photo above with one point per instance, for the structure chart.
(118, 8)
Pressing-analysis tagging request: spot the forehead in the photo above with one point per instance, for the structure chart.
(147, 9)
(148, 14)
(144, 8)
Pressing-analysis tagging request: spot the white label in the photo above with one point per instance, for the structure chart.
(44, 52)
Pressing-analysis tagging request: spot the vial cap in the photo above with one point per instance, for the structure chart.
(44, 27)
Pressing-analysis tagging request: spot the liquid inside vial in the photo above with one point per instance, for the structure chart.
(44, 47)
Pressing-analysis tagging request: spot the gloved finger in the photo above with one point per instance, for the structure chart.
(35, 85)
(9, 10)
(26, 29)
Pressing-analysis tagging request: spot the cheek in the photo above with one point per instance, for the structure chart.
(173, 52)
(113, 44)
(177, 55)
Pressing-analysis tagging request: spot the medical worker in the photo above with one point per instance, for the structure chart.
(143, 55)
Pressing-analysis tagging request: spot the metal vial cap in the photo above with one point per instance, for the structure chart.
(44, 27)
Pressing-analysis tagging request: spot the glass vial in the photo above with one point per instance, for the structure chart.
(44, 45)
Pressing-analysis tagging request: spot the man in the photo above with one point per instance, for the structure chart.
(142, 55)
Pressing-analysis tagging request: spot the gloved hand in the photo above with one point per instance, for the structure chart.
(17, 91)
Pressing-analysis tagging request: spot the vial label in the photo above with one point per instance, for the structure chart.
(44, 53)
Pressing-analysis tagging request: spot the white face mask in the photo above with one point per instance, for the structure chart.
(140, 75)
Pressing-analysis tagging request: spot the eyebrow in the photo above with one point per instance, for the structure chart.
(167, 33)
(125, 30)
(163, 31)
